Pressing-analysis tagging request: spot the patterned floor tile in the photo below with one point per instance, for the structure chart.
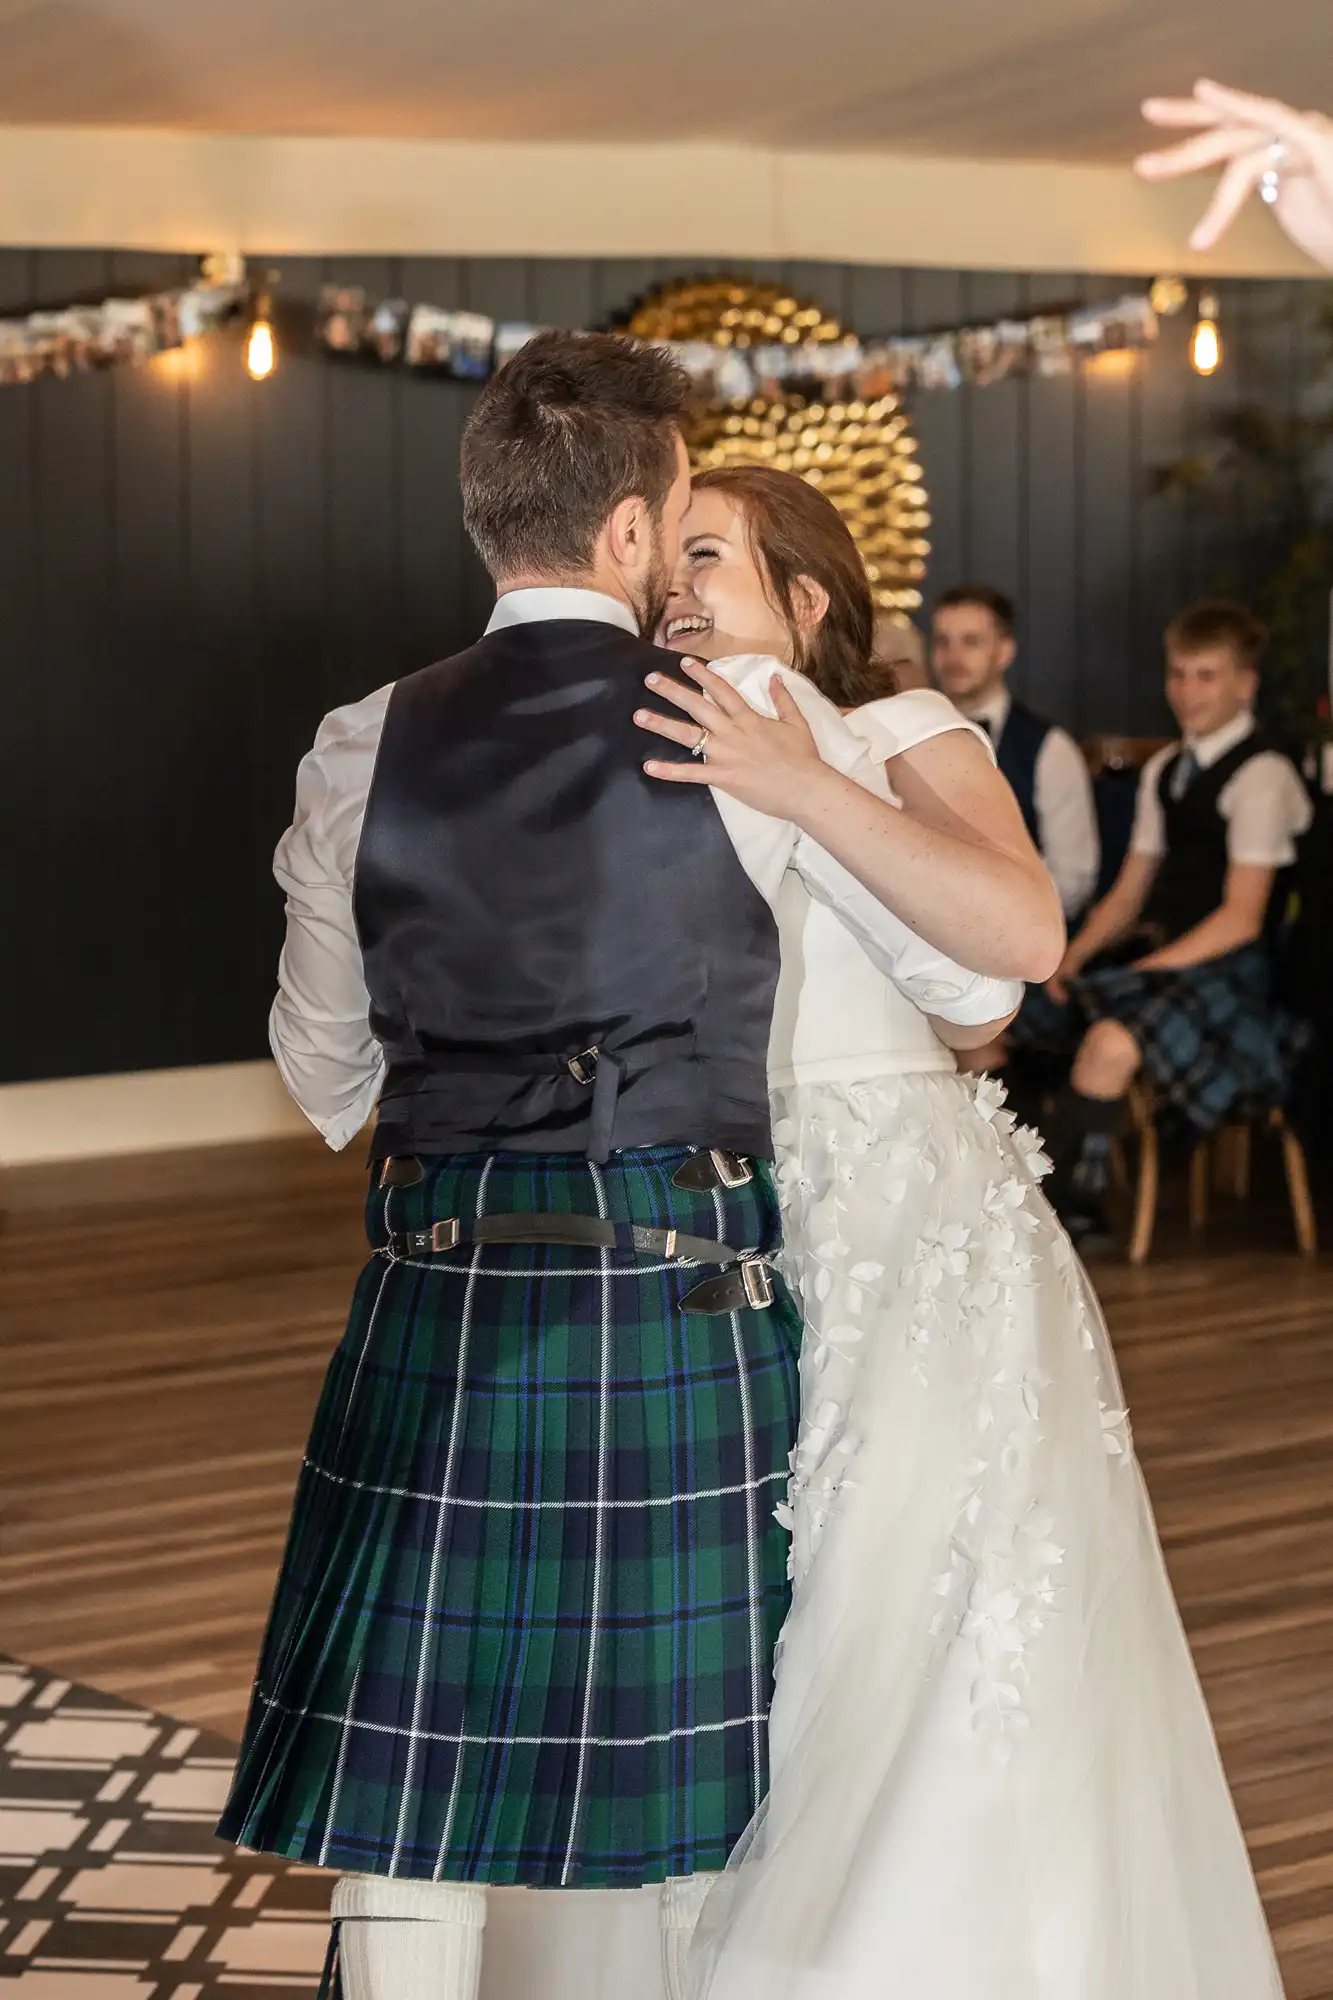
(112, 1886)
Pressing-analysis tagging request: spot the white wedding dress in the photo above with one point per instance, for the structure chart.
(994, 1777)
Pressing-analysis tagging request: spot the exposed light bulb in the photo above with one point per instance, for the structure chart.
(1205, 348)
(261, 354)
(1206, 344)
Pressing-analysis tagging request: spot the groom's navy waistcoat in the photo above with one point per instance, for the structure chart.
(525, 895)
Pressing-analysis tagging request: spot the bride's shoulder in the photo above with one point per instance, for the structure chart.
(751, 674)
(899, 722)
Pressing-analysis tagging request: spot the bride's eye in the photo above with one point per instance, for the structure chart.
(705, 552)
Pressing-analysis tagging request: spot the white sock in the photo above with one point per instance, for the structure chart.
(425, 1942)
(682, 1900)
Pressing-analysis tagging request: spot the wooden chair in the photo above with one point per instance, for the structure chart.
(1226, 1152)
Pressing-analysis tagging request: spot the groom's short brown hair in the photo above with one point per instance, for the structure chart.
(571, 426)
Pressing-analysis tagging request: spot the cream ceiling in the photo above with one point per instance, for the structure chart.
(1017, 79)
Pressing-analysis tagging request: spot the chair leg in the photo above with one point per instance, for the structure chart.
(1298, 1188)
(1240, 1185)
(1145, 1202)
(1199, 1186)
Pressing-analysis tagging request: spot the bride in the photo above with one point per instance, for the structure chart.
(994, 1776)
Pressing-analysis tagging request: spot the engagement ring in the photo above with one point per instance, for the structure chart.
(1270, 184)
(700, 749)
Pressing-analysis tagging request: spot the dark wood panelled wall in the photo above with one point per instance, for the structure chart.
(193, 568)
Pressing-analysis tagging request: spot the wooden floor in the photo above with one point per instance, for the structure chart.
(164, 1324)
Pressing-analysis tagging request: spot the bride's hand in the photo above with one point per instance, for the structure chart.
(1243, 134)
(768, 762)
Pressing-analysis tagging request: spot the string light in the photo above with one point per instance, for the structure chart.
(1206, 344)
(261, 349)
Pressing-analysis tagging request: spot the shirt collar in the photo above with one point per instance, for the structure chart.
(1207, 749)
(994, 713)
(528, 607)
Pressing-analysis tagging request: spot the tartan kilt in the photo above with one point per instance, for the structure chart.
(525, 1622)
(1212, 1041)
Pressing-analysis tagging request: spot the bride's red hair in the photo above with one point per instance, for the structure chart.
(793, 532)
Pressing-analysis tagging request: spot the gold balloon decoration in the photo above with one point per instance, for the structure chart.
(1168, 296)
(859, 452)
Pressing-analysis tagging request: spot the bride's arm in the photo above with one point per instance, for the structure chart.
(956, 863)
(955, 1037)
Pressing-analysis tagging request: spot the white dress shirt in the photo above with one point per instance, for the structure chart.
(319, 1028)
(1066, 813)
(1265, 805)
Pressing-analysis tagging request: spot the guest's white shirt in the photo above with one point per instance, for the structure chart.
(319, 1028)
(1265, 805)
(1066, 814)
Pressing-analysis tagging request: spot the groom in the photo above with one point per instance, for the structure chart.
(525, 1623)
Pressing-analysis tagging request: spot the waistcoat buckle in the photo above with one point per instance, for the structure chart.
(583, 1067)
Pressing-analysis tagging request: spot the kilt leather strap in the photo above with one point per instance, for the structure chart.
(583, 1231)
(714, 1169)
(747, 1283)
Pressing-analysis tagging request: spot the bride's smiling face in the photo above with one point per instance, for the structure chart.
(718, 604)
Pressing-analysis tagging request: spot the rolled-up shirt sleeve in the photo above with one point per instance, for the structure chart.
(767, 847)
(319, 1027)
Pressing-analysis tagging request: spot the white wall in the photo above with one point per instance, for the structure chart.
(85, 1117)
(182, 191)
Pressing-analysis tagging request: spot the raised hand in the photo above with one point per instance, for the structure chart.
(1250, 137)
(768, 762)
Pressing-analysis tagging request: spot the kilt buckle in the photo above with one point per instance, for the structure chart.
(427, 1242)
(758, 1285)
(746, 1283)
(716, 1168)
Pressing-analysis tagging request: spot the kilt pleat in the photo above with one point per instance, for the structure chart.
(524, 1626)
(1213, 1041)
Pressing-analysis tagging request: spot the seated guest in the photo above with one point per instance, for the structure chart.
(901, 651)
(973, 650)
(1170, 973)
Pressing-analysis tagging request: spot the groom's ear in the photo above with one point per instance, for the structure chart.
(628, 531)
(809, 602)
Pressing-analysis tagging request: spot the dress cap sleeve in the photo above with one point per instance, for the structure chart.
(900, 722)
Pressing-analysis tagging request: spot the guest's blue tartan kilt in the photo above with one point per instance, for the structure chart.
(1212, 1041)
(525, 1623)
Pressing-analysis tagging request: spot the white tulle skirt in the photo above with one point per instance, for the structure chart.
(994, 1774)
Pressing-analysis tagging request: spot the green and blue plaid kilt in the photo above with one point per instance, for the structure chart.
(1213, 1042)
(525, 1623)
